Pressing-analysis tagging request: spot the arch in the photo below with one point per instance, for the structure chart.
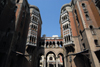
(51, 52)
(61, 60)
(58, 42)
(48, 55)
(47, 44)
(50, 43)
(61, 44)
(53, 44)
(50, 59)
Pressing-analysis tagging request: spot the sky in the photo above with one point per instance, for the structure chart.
(50, 14)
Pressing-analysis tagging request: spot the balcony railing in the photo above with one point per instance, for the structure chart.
(68, 43)
(34, 22)
(64, 12)
(31, 44)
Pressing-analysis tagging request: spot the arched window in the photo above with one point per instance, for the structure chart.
(96, 42)
(30, 38)
(32, 26)
(77, 20)
(92, 30)
(87, 16)
(83, 5)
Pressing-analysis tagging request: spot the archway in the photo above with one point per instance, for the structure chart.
(60, 60)
(50, 59)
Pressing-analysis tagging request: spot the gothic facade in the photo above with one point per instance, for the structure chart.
(21, 44)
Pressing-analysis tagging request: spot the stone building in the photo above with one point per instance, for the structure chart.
(50, 52)
(21, 44)
(14, 19)
(80, 28)
(34, 35)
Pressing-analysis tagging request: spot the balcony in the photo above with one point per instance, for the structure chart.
(64, 12)
(68, 43)
(65, 20)
(31, 44)
(34, 22)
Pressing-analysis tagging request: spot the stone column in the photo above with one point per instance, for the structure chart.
(65, 61)
(45, 44)
(56, 44)
(56, 61)
(44, 65)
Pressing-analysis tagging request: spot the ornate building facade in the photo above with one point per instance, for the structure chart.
(21, 44)
(79, 42)
(80, 30)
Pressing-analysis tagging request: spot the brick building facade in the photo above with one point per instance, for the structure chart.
(79, 23)
(21, 44)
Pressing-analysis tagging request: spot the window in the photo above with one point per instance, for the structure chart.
(81, 36)
(87, 16)
(64, 9)
(30, 38)
(50, 58)
(68, 38)
(92, 30)
(96, 42)
(32, 26)
(83, 5)
(77, 20)
(85, 11)
(84, 46)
